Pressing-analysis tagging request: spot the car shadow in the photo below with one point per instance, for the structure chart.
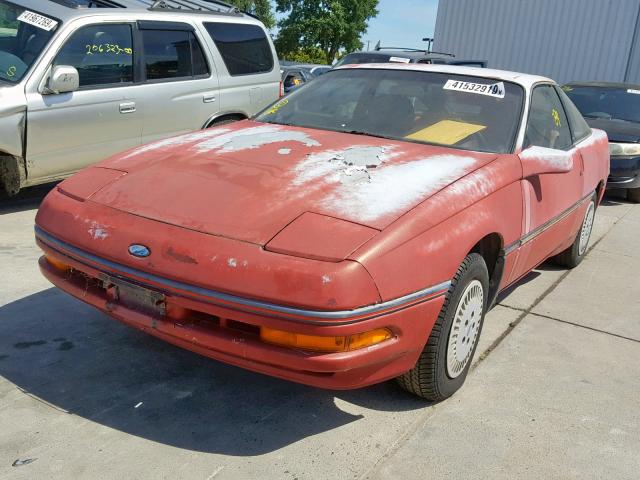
(76, 359)
(27, 199)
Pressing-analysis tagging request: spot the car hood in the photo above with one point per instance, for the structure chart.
(617, 130)
(249, 180)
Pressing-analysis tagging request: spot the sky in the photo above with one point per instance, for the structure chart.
(402, 23)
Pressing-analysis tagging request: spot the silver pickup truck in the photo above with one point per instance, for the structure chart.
(83, 79)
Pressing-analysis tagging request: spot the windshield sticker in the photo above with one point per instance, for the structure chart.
(277, 106)
(556, 117)
(399, 60)
(446, 132)
(11, 71)
(635, 92)
(493, 90)
(38, 20)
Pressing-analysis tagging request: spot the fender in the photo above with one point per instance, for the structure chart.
(218, 115)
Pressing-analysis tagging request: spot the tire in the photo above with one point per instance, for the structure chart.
(445, 360)
(633, 195)
(573, 255)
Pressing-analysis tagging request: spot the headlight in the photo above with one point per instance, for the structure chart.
(88, 181)
(319, 237)
(620, 149)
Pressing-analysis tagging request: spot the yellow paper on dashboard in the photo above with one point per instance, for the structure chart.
(446, 132)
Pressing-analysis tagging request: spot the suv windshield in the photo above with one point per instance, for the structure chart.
(610, 103)
(23, 35)
(471, 113)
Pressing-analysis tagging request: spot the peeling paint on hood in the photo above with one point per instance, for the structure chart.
(253, 138)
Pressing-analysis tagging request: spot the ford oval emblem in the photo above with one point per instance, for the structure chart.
(139, 251)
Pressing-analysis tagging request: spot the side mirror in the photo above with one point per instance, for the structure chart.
(540, 160)
(63, 79)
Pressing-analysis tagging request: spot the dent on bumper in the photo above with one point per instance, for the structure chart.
(225, 330)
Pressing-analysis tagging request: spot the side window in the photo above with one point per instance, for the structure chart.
(547, 125)
(579, 127)
(172, 54)
(244, 48)
(102, 54)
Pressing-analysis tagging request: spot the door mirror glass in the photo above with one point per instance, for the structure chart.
(63, 79)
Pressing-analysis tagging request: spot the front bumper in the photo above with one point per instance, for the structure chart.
(625, 172)
(225, 329)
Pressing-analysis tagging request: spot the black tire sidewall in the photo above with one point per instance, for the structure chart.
(473, 268)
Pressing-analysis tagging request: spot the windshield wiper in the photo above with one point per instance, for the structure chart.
(369, 134)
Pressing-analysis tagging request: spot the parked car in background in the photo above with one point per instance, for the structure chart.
(614, 108)
(295, 75)
(81, 80)
(351, 233)
(406, 55)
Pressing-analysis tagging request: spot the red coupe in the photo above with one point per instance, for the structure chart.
(355, 231)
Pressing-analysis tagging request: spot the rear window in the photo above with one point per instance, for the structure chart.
(172, 54)
(244, 48)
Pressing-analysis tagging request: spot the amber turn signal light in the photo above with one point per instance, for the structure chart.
(57, 264)
(321, 343)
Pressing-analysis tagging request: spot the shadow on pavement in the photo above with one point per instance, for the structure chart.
(28, 199)
(79, 360)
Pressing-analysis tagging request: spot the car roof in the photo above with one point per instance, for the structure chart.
(604, 84)
(523, 79)
(65, 10)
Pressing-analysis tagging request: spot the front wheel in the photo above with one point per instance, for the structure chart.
(573, 255)
(445, 360)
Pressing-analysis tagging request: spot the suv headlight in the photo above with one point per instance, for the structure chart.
(624, 149)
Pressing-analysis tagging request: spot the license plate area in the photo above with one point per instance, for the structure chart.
(134, 297)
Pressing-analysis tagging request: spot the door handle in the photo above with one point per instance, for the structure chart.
(209, 97)
(128, 107)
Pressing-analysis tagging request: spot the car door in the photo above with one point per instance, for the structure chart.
(68, 131)
(550, 199)
(180, 90)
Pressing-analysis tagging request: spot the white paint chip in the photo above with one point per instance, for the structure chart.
(232, 262)
(284, 151)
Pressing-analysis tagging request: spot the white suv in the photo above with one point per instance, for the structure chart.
(83, 79)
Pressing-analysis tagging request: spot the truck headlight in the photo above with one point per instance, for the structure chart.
(624, 149)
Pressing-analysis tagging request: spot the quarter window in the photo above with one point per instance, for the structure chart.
(102, 54)
(547, 125)
(244, 48)
(172, 54)
(579, 127)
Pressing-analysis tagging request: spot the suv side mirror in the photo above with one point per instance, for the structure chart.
(540, 160)
(63, 79)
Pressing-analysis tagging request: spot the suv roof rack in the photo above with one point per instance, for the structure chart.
(195, 6)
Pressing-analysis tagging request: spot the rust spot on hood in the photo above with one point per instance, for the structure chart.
(180, 257)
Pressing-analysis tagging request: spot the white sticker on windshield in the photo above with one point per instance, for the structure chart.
(38, 20)
(635, 92)
(492, 89)
(399, 60)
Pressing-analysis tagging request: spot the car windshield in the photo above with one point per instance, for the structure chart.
(471, 113)
(23, 35)
(610, 103)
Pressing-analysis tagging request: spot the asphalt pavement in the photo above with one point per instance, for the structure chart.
(554, 392)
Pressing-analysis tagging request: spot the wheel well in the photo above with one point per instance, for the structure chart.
(226, 118)
(600, 191)
(490, 247)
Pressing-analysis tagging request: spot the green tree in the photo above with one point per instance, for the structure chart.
(331, 25)
(259, 8)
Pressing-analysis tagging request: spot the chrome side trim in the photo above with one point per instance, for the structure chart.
(341, 316)
(545, 226)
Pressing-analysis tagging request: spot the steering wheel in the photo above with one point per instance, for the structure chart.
(12, 68)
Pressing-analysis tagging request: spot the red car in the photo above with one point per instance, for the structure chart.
(356, 231)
